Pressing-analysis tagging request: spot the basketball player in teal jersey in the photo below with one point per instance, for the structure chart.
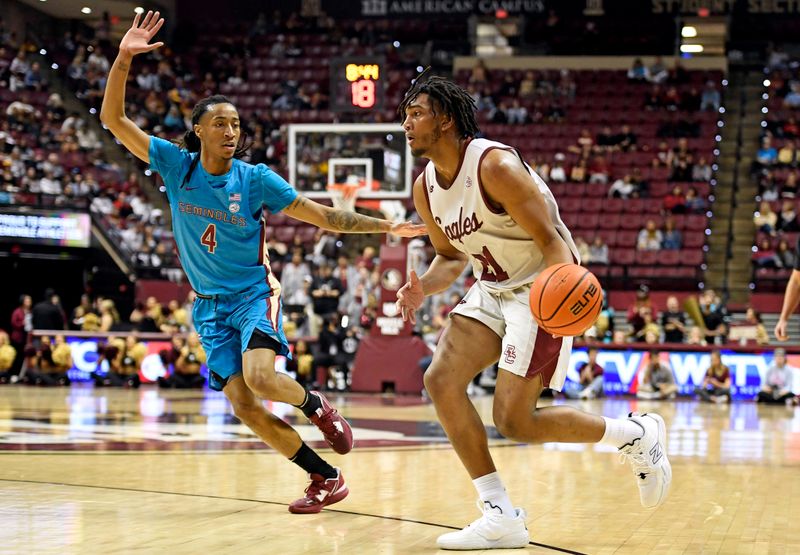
(217, 204)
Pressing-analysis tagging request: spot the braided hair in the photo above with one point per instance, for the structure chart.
(448, 97)
(191, 141)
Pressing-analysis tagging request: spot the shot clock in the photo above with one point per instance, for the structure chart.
(357, 84)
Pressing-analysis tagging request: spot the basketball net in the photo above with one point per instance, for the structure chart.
(344, 195)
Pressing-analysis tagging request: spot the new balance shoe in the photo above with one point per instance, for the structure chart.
(648, 458)
(333, 426)
(320, 493)
(493, 530)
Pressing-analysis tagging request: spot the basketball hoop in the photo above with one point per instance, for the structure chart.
(344, 195)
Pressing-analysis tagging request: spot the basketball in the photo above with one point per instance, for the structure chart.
(566, 299)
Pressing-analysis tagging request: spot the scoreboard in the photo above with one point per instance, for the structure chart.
(357, 84)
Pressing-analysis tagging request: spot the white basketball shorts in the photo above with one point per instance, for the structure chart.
(526, 350)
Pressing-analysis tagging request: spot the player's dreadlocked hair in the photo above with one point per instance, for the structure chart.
(191, 141)
(447, 96)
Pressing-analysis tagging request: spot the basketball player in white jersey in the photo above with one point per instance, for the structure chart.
(482, 204)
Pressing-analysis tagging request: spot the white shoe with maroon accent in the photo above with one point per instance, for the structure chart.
(493, 530)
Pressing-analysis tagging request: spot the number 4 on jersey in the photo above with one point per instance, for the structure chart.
(492, 271)
(209, 238)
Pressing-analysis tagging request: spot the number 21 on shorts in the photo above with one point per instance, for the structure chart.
(209, 238)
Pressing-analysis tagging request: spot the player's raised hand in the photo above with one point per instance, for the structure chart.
(410, 298)
(137, 39)
(407, 229)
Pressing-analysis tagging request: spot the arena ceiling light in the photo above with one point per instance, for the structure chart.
(86, 9)
(689, 32)
(692, 48)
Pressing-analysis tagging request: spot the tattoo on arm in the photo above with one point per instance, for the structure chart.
(342, 220)
(298, 202)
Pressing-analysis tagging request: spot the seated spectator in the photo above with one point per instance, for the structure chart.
(752, 318)
(302, 364)
(671, 99)
(34, 80)
(672, 238)
(792, 100)
(787, 155)
(295, 273)
(701, 171)
(577, 173)
(591, 379)
(658, 381)
(785, 256)
(765, 219)
(663, 157)
(599, 170)
(583, 250)
(606, 140)
(325, 291)
(713, 314)
(767, 155)
(623, 188)
(716, 386)
(583, 145)
(186, 371)
(558, 172)
(517, 113)
(650, 332)
(791, 129)
(7, 356)
(696, 337)
(642, 306)
(694, 203)
(626, 139)
(764, 256)
(638, 72)
(673, 322)
(598, 251)
(777, 388)
(657, 71)
(789, 189)
(682, 167)
(691, 100)
(787, 217)
(675, 202)
(650, 237)
(710, 99)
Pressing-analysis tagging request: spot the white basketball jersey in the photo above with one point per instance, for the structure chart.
(502, 253)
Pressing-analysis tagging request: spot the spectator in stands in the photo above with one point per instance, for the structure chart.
(325, 291)
(701, 171)
(623, 188)
(577, 174)
(599, 170)
(109, 316)
(583, 250)
(598, 251)
(583, 144)
(792, 100)
(696, 337)
(710, 99)
(48, 314)
(663, 156)
(787, 155)
(558, 173)
(650, 331)
(785, 256)
(694, 203)
(17, 70)
(590, 374)
(753, 319)
(713, 314)
(675, 202)
(767, 155)
(626, 139)
(777, 386)
(650, 237)
(716, 386)
(789, 188)
(658, 381)
(295, 274)
(606, 139)
(764, 256)
(642, 306)
(517, 113)
(672, 237)
(765, 219)
(654, 99)
(673, 322)
(787, 218)
(657, 72)
(638, 72)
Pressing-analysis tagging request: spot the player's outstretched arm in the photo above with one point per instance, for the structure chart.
(332, 219)
(112, 113)
(790, 301)
(509, 184)
(445, 268)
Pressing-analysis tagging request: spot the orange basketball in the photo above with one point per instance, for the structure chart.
(566, 299)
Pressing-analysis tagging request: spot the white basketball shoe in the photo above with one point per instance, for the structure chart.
(493, 530)
(648, 458)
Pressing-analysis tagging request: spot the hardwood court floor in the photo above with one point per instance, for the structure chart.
(116, 471)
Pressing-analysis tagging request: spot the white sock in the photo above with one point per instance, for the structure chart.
(621, 431)
(493, 494)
